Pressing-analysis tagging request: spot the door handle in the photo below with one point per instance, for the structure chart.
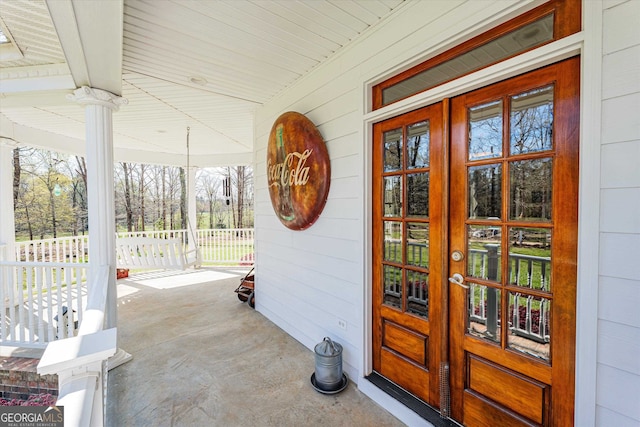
(458, 280)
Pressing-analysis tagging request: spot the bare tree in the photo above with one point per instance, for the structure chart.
(16, 176)
(208, 187)
(183, 199)
(142, 195)
(126, 167)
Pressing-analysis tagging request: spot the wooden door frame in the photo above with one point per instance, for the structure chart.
(546, 55)
(588, 234)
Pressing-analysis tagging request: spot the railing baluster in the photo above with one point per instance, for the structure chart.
(17, 277)
(59, 314)
(40, 328)
(50, 279)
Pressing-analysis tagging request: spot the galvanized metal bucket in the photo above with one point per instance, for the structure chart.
(328, 374)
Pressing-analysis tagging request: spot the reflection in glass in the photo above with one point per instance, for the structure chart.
(393, 150)
(418, 293)
(418, 145)
(393, 196)
(417, 244)
(530, 258)
(529, 325)
(418, 195)
(392, 286)
(485, 131)
(392, 239)
(532, 121)
(484, 312)
(530, 197)
(484, 256)
(484, 260)
(485, 191)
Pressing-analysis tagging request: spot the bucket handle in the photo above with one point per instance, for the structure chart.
(333, 346)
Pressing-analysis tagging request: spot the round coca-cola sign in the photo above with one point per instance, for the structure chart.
(298, 170)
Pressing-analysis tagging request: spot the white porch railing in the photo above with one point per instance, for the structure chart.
(61, 249)
(80, 362)
(226, 246)
(40, 302)
(217, 246)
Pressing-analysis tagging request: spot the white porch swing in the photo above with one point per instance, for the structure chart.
(159, 253)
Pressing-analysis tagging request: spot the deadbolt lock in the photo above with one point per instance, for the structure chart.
(457, 256)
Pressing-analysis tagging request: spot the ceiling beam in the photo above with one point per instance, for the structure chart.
(90, 33)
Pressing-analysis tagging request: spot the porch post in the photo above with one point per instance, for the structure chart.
(7, 219)
(99, 106)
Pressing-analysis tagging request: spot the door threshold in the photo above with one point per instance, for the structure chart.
(410, 401)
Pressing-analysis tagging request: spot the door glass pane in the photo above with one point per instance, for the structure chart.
(532, 121)
(530, 258)
(530, 184)
(484, 312)
(392, 286)
(529, 325)
(393, 150)
(393, 196)
(484, 256)
(485, 131)
(392, 239)
(485, 191)
(418, 195)
(417, 244)
(418, 145)
(418, 293)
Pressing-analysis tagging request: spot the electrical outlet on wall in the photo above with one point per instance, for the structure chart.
(342, 324)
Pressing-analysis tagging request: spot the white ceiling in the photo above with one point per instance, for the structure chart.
(202, 64)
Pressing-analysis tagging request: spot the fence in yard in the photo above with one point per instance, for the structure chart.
(217, 246)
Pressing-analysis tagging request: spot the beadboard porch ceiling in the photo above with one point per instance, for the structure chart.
(202, 64)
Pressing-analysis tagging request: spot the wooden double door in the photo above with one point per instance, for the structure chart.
(475, 207)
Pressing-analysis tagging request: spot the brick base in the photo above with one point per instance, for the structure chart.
(19, 379)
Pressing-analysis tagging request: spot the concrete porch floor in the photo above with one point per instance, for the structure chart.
(203, 358)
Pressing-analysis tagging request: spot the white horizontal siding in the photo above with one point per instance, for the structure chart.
(618, 364)
(620, 161)
(620, 118)
(619, 346)
(620, 24)
(307, 280)
(618, 391)
(607, 417)
(619, 301)
(616, 220)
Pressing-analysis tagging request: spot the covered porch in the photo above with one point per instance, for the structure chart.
(201, 357)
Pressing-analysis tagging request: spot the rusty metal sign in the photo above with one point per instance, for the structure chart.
(298, 170)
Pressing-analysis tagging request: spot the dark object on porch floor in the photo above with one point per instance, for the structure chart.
(246, 289)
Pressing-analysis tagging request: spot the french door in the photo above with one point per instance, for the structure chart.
(408, 244)
(475, 229)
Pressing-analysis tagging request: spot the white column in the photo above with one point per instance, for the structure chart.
(7, 218)
(99, 106)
